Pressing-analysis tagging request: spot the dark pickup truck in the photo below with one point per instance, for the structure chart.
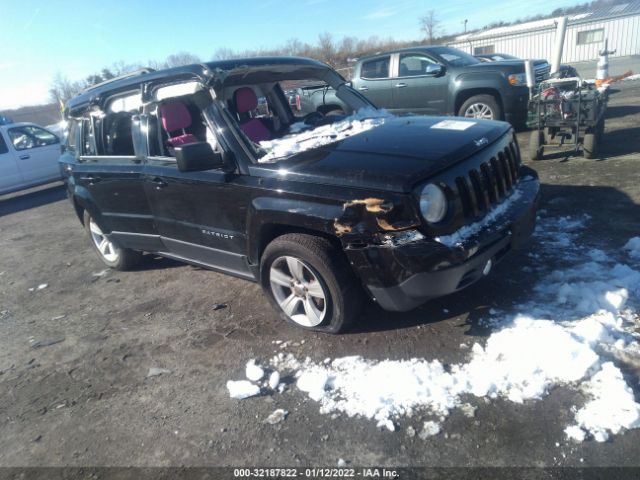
(319, 212)
(438, 80)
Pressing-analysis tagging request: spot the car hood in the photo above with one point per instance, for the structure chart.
(393, 156)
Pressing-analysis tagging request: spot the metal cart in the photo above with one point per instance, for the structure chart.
(567, 113)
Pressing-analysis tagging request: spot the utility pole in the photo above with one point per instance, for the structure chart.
(465, 25)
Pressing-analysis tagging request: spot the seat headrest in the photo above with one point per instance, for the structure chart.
(175, 116)
(245, 100)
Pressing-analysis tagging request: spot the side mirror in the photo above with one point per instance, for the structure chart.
(196, 157)
(434, 69)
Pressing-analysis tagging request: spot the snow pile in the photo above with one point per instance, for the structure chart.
(242, 389)
(493, 217)
(633, 247)
(576, 322)
(632, 77)
(305, 137)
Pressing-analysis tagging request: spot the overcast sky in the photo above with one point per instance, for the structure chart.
(79, 37)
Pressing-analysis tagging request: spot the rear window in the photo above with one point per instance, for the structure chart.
(378, 68)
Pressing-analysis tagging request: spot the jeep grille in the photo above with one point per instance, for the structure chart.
(490, 182)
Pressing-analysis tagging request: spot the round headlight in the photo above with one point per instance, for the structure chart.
(433, 203)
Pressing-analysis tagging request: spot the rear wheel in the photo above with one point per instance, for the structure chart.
(590, 145)
(109, 252)
(536, 145)
(308, 281)
(481, 106)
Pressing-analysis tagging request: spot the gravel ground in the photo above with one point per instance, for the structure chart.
(84, 398)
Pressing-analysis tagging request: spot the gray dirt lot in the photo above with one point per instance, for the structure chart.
(87, 400)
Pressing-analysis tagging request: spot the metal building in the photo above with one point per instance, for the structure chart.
(585, 36)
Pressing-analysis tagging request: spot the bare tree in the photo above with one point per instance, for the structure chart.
(430, 25)
(327, 49)
(224, 53)
(62, 89)
(181, 58)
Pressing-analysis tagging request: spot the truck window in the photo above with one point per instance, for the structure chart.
(412, 64)
(378, 68)
(3, 145)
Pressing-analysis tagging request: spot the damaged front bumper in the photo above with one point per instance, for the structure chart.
(409, 268)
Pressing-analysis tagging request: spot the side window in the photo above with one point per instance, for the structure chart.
(116, 138)
(71, 135)
(88, 137)
(178, 118)
(27, 137)
(378, 68)
(3, 145)
(412, 65)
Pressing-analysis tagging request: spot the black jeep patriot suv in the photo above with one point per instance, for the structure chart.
(183, 164)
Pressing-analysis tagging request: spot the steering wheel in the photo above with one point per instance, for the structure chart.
(313, 118)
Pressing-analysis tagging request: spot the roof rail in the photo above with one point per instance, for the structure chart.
(135, 73)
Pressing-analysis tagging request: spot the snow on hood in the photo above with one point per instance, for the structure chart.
(305, 137)
(571, 332)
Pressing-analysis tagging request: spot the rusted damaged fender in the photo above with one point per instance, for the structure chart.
(363, 220)
(403, 269)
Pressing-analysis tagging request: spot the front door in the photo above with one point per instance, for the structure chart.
(10, 176)
(200, 216)
(415, 91)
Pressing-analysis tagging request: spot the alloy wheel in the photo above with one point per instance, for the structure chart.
(479, 110)
(298, 291)
(106, 248)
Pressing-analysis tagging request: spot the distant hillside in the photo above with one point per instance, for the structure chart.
(39, 114)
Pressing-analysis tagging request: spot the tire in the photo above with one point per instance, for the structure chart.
(590, 145)
(322, 268)
(536, 145)
(111, 254)
(600, 129)
(479, 104)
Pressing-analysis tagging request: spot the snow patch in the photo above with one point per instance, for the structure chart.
(253, 371)
(577, 320)
(242, 389)
(304, 137)
(466, 232)
(633, 247)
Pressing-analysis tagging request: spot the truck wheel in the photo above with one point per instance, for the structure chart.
(536, 145)
(590, 145)
(481, 106)
(309, 283)
(600, 129)
(111, 254)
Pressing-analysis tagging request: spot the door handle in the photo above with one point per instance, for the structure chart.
(159, 183)
(24, 157)
(363, 88)
(400, 85)
(91, 179)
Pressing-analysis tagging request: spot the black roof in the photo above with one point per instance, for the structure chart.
(205, 72)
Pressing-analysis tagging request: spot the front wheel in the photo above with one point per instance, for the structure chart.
(111, 254)
(308, 281)
(481, 106)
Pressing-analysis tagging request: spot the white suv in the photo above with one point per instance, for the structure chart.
(28, 156)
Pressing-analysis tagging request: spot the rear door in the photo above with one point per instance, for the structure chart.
(374, 82)
(10, 176)
(37, 151)
(416, 91)
(110, 170)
